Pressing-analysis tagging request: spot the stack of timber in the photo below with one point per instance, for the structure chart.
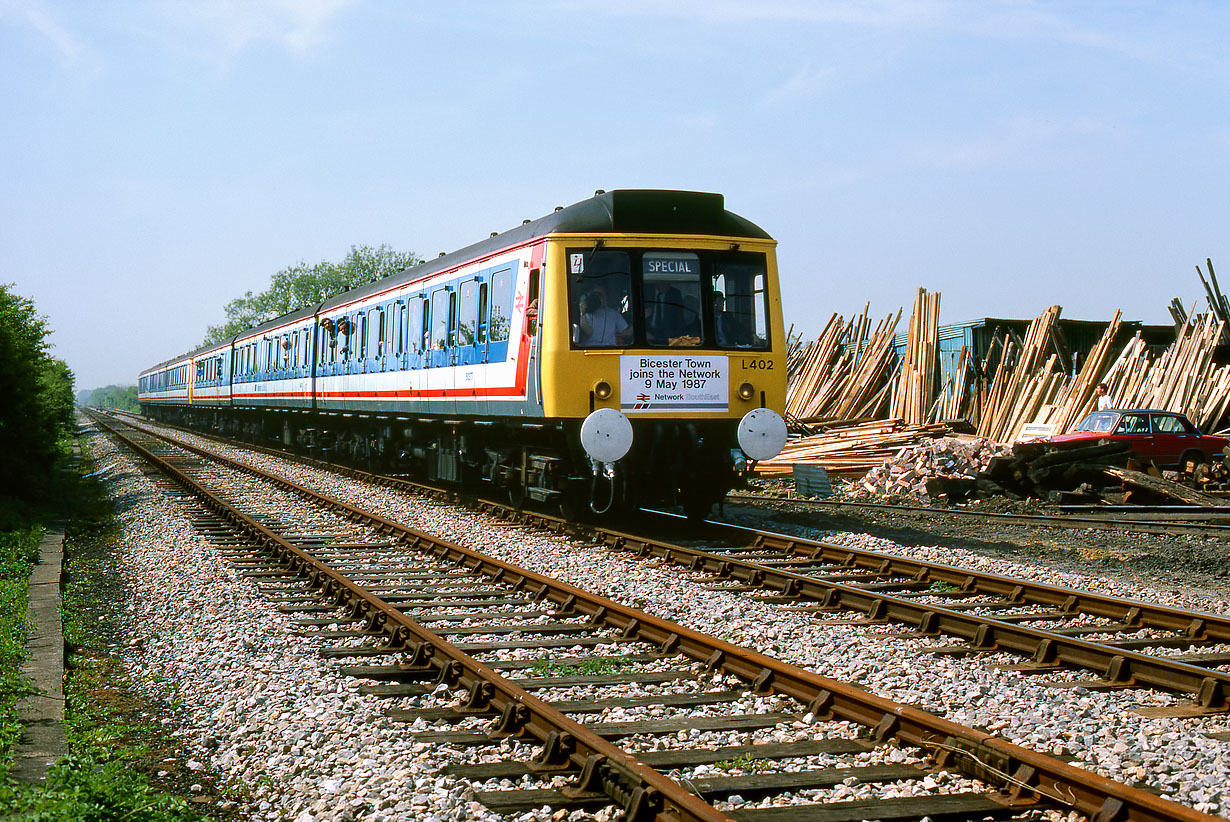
(1076, 398)
(850, 449)
(844, 373)
(1184, 378)
(912, 471)
(1018, 391)
(915, 387)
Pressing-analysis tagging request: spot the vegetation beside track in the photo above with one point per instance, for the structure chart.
(116, 741)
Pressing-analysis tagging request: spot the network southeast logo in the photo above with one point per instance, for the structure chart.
(642, 402)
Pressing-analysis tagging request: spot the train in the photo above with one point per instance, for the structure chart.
(624, 351)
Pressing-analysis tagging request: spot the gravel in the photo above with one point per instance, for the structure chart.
(260, 708)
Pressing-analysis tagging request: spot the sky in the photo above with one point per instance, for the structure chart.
(159, 158)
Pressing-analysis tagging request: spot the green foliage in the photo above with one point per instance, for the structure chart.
(588, 667)
(302, 285)
(18, 552)
(100, 780)
(942, 587)
(746, 763)
(36, 403)
(123, 397)
(85, 788)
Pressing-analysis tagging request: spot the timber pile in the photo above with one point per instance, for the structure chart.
(1184, 378)
(850, 449)
(915, 388)
(1019, 390)
(844, 373)
(910, 471)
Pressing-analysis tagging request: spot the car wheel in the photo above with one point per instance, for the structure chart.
(1194, 455)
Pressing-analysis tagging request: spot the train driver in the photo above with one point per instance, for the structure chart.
(599, 324)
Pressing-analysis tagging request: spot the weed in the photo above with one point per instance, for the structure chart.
(587, 667)
(746, 763)
(942, 587)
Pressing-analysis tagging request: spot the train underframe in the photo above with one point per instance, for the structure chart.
(688, 464)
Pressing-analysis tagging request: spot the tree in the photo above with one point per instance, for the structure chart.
(301, 285)
(123, 397)
(36, 405)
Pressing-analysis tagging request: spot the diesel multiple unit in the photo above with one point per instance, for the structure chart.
(625, 350)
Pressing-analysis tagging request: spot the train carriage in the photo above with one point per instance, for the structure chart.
(624, 350)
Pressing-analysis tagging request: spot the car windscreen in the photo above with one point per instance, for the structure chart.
(1097, 423)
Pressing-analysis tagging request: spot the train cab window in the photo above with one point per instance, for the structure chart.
(467, 313)
(671, 298)
(501, 305)
(441, 304)
(600, 297)
(740, 317)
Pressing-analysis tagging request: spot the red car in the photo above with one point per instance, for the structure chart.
(1167, 438)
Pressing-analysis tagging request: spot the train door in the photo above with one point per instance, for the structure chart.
(471, 379)
(442, 331)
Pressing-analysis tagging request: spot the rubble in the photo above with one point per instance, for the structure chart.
(947, 458)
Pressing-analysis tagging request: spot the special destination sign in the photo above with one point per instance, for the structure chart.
(671, 382)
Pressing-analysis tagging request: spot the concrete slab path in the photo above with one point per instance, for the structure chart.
(42, 713)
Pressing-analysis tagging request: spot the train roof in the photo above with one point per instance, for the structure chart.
(625, 211)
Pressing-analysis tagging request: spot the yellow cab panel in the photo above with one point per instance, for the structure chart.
(662, 327)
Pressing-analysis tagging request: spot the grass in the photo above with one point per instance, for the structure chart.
(18, 551)
(746, 763)
(589, 667)
(111, 735)
(942, 587)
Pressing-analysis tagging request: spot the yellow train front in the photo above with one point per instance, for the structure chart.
(661, 349)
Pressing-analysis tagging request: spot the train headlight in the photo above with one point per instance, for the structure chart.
(762, 433)
(746, 392)
(606, 435)
(603, 390)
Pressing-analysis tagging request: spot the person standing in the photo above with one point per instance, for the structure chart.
(1104, 402)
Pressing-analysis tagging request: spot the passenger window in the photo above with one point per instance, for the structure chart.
(346, 330)
(482, 313)
(1165, 424)
(440, 318)
(467, 313)
(501, 304)
(1133, 424)
(375, 332)
(397, 329)
(416, 324)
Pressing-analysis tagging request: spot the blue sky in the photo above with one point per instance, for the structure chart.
(158, 159)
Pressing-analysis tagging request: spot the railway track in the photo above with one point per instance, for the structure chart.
(1164, 520)
(431, 618)
(1126, 643)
